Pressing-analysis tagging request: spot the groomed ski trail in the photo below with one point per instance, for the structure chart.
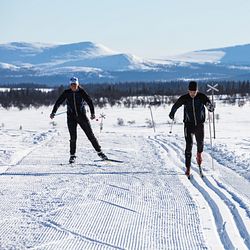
(139, 204)
(230, 210)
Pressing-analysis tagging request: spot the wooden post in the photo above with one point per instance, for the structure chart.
(212, 89)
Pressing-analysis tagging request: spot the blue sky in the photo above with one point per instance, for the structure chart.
(146, 28)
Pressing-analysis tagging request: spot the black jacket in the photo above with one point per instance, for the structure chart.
(75, 101)
(194, 108)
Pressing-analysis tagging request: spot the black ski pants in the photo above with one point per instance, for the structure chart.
(189, 131)
(84, 123)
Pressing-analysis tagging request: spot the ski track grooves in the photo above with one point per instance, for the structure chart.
(34, 148)
(129, 206)
(218, 218)
(136, 205)
(237, 218)
(82, 237)
(235, 197)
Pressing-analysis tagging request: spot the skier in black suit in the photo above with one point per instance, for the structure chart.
(75, 98)
(194, 117)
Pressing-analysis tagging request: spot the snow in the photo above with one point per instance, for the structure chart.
(24, 47)
(100, 50)
(20, 61)
(234, 55)
(199, 57)
(146, 202)
(59, 70)
(8, 66)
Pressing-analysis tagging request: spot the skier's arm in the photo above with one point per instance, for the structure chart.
(208, 104)
(59, 101)
(178, 104)
(87, 99)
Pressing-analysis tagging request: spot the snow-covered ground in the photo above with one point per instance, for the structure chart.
(146, 202)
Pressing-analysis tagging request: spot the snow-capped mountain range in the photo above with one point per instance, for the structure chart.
(92, 63)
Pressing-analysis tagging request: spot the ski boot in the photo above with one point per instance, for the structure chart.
(187, 173)
(102, 155)
(72, 159)
(199, 161)
(198, 158)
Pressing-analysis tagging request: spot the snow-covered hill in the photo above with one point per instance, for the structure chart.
(235, 55)
(84, 54)
(53, 64)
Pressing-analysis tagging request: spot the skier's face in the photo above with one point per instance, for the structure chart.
(192, 93)
(74, 86)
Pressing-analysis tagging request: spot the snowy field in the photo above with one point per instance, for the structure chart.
(146, 202)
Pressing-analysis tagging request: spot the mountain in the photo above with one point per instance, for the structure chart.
(235, 55)
(53, 64)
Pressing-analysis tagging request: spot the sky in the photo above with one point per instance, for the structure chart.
(146, 28)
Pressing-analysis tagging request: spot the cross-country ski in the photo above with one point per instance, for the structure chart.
(200, 171)
(108, 160)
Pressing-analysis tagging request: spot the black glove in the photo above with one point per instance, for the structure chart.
(171, 116)
(52, 115)
(210, 107)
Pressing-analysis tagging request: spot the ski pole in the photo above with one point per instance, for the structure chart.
(171, 126)
(152, 118)
(211, 141)
(60, 113)
(213, 112)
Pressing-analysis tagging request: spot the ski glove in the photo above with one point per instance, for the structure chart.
(92, 117)
(210, 107)
(52, 115)
(171, 116)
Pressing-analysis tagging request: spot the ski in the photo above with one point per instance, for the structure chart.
(68, 164)
(112, 160)
(200, 171)
(99, 160)
(187, 172)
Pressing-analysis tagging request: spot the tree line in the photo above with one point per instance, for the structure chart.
(127, 93)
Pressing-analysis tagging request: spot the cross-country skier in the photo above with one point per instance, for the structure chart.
(194, 117)
(75, 98)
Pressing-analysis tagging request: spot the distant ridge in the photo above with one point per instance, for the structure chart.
(53, 63)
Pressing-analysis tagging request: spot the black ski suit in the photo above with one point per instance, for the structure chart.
(194, 118)
(76, 114)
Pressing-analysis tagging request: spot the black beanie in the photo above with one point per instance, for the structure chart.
(193, 86)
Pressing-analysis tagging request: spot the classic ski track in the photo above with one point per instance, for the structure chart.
(226, 198)
(34, 148)
(76, 235)
(231, 194)
(179, 150)
(117, 207)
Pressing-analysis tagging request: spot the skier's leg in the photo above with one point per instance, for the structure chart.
(189, 144)
(86, 127)
(72, 127)
(199, 135)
